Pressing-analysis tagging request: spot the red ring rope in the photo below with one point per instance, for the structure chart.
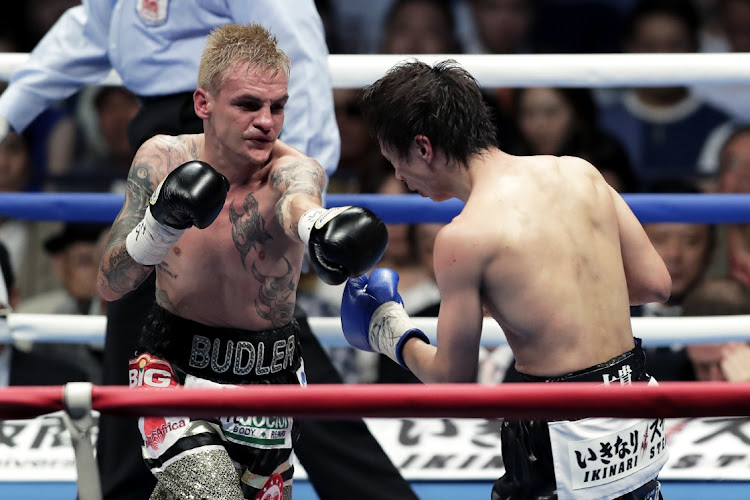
(558, 401)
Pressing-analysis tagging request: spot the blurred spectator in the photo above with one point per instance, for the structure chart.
(734, 21)
(75, 260)
(24, 367)
(38, 16)
(564, 122)
(23, 238)
(103, 114)
(578, 26)
(501, 26)
(734, 16)
(664, 129)
(359, 150)
(687, 250)
(728, 361)
(733, 240)
(358, 24)
(75, 257)
(420, 27)
(711, 34)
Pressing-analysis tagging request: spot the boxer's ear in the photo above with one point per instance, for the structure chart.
(202, 103)
(424, 148)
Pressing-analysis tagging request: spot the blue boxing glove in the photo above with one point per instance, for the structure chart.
(373, 316)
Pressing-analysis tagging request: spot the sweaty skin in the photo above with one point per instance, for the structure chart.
(546, 247)
(241, 271)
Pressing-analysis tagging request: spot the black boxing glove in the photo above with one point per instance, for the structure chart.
(193, 194)
(343, 241)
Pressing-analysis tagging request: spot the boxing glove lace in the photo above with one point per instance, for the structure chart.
(192, 194)
(343, 241)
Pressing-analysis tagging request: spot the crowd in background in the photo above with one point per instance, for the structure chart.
(686, 139)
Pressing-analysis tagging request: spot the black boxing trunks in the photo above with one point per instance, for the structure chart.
(587, 459)
(227, 458)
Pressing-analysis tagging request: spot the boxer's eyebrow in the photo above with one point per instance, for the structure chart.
(252, 99)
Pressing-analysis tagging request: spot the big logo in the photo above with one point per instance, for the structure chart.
(146, 370)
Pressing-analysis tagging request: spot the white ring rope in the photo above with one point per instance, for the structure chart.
(527, 70)
(653, 331)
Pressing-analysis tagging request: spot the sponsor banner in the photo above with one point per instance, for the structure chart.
(430, 449)
(37, 449)
(469, 449)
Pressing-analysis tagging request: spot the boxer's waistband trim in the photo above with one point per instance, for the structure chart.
(625, 368)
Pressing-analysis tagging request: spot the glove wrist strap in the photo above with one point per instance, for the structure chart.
(149, 242)
(316, 218)
(390, 328)
(306, 223)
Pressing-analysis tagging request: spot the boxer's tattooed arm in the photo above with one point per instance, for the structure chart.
(248, 227)
(118, 269)
(273, 303)
(304, 177)
(154, 160)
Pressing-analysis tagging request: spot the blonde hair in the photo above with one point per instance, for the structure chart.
(239, 43)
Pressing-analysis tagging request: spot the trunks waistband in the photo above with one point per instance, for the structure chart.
(225, 355)
(625, 368)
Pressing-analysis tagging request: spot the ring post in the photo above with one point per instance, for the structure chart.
(79, 422)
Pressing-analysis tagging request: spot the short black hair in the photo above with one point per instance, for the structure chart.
(443, 102)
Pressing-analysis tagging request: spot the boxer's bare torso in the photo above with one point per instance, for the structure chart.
(549, 250)
(241, 271)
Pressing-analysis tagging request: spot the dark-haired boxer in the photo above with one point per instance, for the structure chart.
(224, 218)
(546, 247)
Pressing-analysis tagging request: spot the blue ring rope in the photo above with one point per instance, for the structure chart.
(103, 207)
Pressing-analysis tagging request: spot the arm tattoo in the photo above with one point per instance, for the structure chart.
(302, 177)
(248, 227)
(273, 302)
(138, 191)
(120, 270)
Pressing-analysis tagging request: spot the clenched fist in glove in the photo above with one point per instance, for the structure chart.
(343, 241)
(373, 316)
(193, 194)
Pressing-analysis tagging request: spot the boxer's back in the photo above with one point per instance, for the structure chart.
(553, 276)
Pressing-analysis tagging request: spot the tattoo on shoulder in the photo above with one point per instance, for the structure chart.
(176, 149)
(273, 303)
(304, 176)
(248, 227)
